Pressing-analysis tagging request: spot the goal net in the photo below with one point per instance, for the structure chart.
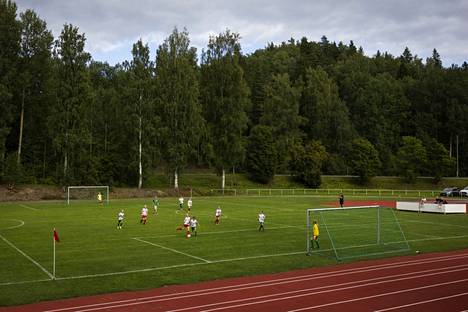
(86, 192)
(355, 232)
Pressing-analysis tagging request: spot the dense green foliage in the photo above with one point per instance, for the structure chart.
(91, 245)
(68, 119)
(261, 160)
(307, 162)
(363, 159)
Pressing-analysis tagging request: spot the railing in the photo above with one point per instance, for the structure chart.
(324, 192)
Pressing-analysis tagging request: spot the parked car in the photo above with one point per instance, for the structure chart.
(464, 191)
(450, 191)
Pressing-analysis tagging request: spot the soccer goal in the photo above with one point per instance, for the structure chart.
(87, 192)
(355, 232)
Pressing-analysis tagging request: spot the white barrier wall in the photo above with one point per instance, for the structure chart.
(430, 207)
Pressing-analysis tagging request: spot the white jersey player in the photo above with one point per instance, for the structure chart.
(144, 215)
(193, 225)
(261, 221)
(189, 204)
(187, 224)
(181, 203)
(217, 215)
(120, 218)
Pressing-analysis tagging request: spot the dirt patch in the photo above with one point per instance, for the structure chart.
(27, 193)
(43, 192)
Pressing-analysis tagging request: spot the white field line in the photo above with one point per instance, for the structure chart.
(435, 238)
(26, 256)
(214, 232)
(254, 219)
(435, 223)
(422, 302)
(422, 234)
(25, 282)
(199, 263)
(272, 223)
(293, 279)
(312, 292)
(290, 294)
(173, 250)
(174, 266)
(28, 207)
(21, 223)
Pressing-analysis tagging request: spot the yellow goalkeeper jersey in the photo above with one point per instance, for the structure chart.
(315, 230)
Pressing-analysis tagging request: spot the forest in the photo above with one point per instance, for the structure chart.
(302, 107)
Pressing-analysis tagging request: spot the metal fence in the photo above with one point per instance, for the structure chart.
(323, 192)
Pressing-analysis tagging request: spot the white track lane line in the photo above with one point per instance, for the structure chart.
(279, 281)
(422, 302)
(308, 292)
(286, 295)
(380, 295)
(26, 256)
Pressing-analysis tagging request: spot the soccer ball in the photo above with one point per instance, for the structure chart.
(189, 235)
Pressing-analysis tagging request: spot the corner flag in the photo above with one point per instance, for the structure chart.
(56, 238)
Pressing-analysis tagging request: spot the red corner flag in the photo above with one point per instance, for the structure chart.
(56, 238)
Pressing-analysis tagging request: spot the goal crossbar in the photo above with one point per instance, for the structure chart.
(106, 187)
(344, 208)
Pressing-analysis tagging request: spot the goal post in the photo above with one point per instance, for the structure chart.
(355, 232)
(87, 192)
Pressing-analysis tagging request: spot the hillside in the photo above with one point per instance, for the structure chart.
(201, 184)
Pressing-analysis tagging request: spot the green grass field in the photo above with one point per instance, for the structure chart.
(94, 257)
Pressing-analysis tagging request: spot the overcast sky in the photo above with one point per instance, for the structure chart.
(112, 26)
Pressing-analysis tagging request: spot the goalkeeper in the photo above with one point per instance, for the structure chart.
(315, 235)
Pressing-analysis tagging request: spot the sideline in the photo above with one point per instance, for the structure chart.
(226, 260)
(26, 256)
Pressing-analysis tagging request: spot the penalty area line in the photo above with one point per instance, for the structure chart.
(215, 232)
(28, 207)
(173, 250)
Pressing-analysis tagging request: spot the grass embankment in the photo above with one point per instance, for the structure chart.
(203, 182)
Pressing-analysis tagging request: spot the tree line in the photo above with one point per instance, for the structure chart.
(300, 107)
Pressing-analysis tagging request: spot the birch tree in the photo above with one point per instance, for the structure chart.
(142, 70)
(225, 97)
(68, 122)
(178, 103)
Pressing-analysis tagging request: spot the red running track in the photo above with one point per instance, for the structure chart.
(430, 282)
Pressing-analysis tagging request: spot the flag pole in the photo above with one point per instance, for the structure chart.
(53, 271)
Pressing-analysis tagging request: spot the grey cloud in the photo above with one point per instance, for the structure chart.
(373, 24)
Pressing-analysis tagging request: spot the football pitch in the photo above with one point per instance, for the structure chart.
(93, 256)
